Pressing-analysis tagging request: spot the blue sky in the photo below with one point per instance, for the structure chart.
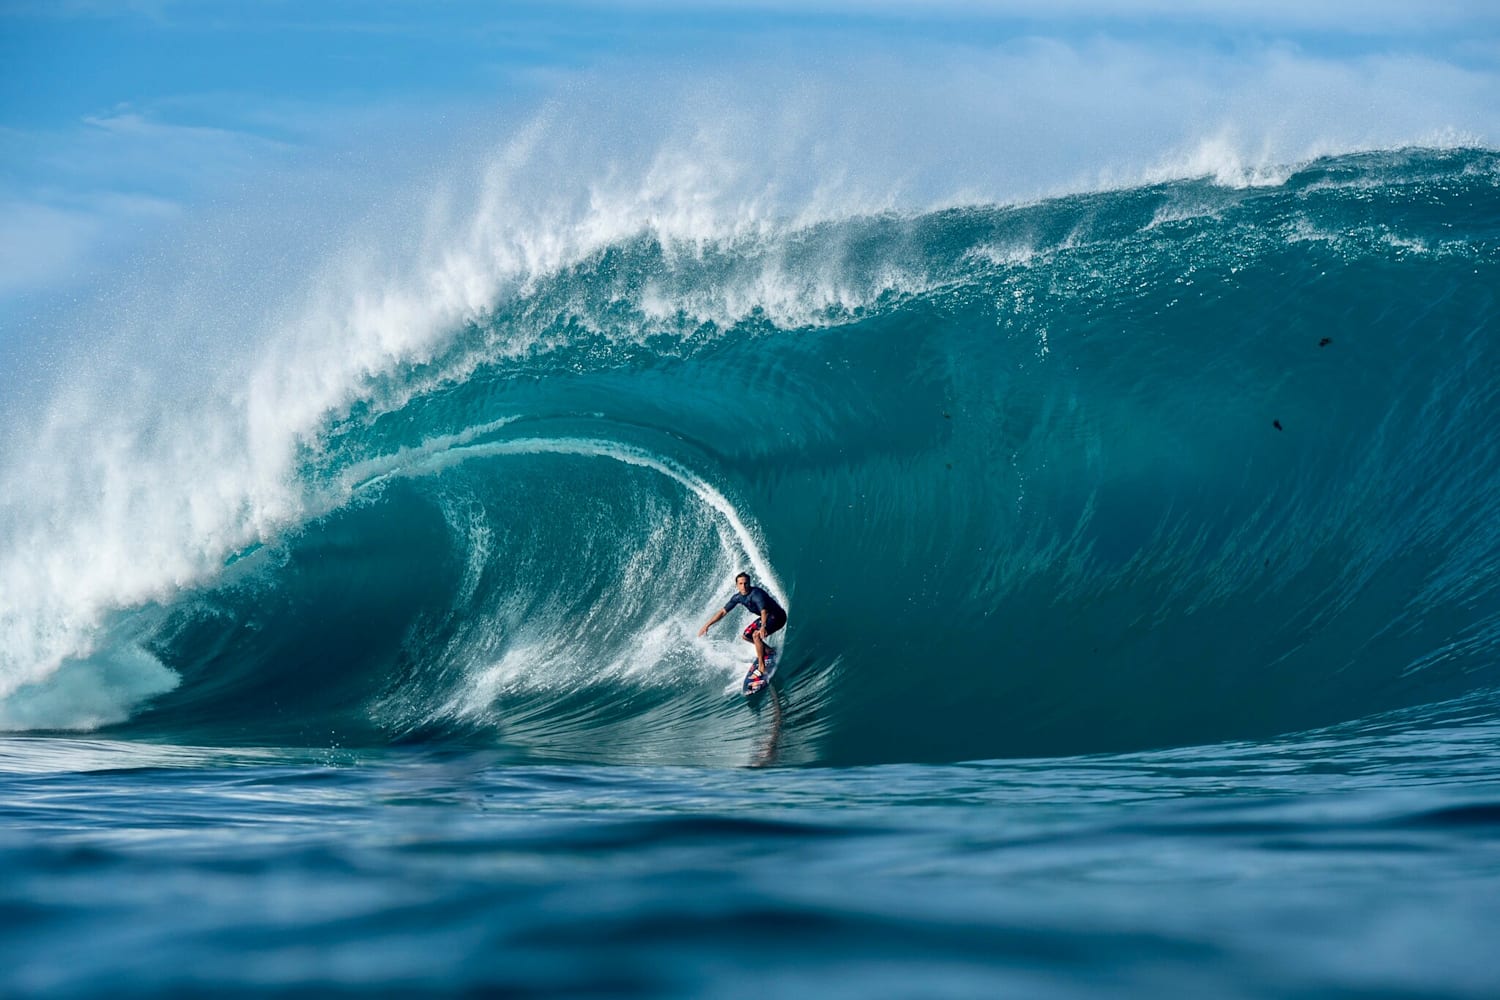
(118, 120)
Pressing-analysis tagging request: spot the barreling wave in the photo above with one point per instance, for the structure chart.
(1158, 466)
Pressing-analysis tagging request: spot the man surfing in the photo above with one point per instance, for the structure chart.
(771, 618)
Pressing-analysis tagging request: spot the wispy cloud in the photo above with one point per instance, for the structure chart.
(73, 194)
(44, 243)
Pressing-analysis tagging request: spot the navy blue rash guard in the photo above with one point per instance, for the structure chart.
(758, 601)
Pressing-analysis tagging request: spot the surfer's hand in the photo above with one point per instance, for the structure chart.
(703, 630)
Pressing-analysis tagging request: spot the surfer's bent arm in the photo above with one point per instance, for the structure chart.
(717, 615)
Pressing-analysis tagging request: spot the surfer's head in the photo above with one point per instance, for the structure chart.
(743, 583)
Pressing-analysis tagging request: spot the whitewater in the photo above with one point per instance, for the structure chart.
(1140, 542)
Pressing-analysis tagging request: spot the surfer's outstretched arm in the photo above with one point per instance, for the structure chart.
(711, 621)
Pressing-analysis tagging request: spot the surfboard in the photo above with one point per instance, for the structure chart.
(754, 683)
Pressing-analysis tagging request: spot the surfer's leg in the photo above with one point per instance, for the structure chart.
(773, 625)
(752, 635)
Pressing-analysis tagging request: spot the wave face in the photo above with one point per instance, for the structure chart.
(1150, 467)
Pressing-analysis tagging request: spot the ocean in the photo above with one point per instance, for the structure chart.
(1140, 546)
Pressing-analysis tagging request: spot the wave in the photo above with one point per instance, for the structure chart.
(1157, 466)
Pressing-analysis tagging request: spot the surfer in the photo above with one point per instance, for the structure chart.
(770, 617)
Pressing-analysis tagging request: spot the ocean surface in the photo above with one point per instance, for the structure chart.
(1141, 549)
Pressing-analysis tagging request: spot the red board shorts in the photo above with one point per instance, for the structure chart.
(775, 623)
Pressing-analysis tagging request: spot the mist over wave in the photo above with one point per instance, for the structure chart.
(1035, 471)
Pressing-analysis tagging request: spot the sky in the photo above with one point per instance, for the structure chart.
(122, 122)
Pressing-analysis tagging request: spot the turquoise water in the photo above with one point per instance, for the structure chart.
(1140, 549)
(1359, 861)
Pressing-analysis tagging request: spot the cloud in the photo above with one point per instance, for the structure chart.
(79, 193)
(137, 148)
(40, 243)
(50, 244)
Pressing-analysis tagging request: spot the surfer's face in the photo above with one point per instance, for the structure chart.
(743, 585)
